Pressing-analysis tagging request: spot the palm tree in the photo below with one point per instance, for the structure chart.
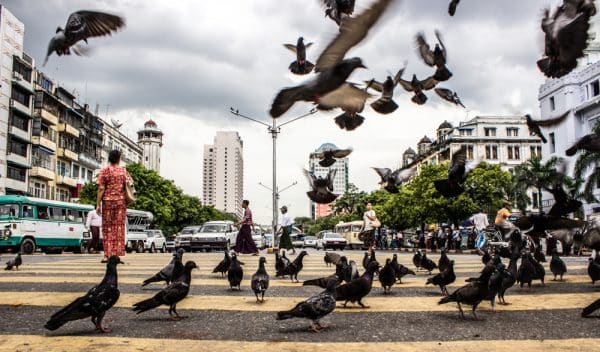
(585, 162)
(535, 174)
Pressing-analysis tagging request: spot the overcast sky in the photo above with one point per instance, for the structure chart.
(184, 63)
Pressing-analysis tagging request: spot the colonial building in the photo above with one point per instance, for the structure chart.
(150, 140)
(113, 138)
(340, 182)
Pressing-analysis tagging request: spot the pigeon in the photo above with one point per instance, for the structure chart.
(534, 125)
(417, 259)
(321, 188)
(280, 262)
(235, 273)
(449, 96)
(385, 104)
(486, 257)
(338, 10)
(390, 180)
(333, 70)
(472, 294)
(444, 261)
(328, 157)
(416, 86)
(587, 311)
(331, 258)
(285, 259)
(223, 266)
(314, 308)
(400, 269)
(452, 7)
(495, 283)
(300, 66)
(354, 270)
(563, 203)
(557, 265)
(170, 295)
(351, 100)
(436, 58)
(387, 276)
(260, 280)
(294, 267)
(343, 270)
(443, 278)
(82, 25)
(509, 279)
(365, 261)
(539, 272)
(427, 263)
(321, 282)
(589, 142)
(357, 289)
(539, 255)
(566, 36)
(526, 271)
(14, 263)
(457, 174)
(170, 272)
(95, 303)
(594, 269)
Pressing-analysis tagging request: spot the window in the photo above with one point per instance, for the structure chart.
(489, 132)
(42, 212)
(58, 213)
(17, 147)
(27, 211)
(510, 152)
(90, 175)
(595, 88)
(552, 104)
(512, 131)
(74, 215)
(535, 200)
(552, 142)
(513, 152)
(62, 195)
(16, 173)
(491, 152)
(20, 96)
(38, 189)
(62, 169)
(517, 152)
(536, 152)
(75, 171)
(19, 122)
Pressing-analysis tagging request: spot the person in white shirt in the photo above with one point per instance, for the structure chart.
(368, 230)
(285, 228)
(93, 223)
(480, 220)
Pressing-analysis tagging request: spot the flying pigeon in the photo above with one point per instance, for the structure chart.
(260, 280)
(15, 262)
(566, 36)
(170, 272)
(452, 7)
(328, 157)
(457, 174)
(300, 66)
(338, 10)
(436, 58)
(82, 25)
(385, 104)
(321, 188)
(449, 95)
(235, 273)
(534, 125)
(416, 86)
(96, 302)
(333, 69)
(589, 142)
(351, 100)
(390, 180)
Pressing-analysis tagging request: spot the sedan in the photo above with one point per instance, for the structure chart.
(331, 240)
(310, 241)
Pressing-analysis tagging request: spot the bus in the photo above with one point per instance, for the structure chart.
(29, 223)
(350, 231)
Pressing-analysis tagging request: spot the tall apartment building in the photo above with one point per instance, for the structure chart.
(150, 139)
(223, 173)
(340, 182)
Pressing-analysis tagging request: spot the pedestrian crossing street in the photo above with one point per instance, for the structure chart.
(225, 320)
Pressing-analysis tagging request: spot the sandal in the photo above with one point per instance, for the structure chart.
(104, 260)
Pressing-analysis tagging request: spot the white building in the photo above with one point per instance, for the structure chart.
(340, 182)
(579, 94)
(223, 173)
(113, 138)
(150, 140)
(16, 101)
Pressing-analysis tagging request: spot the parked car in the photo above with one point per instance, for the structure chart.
(214, 235)
(170, 243)
(184, 238)
(259, 238)
(327, 240)
(310, 241)
(156, 241)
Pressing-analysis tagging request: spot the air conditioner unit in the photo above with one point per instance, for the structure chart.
(17, 76)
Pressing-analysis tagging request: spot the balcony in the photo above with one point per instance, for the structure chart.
(18, 79)
(16, 159)
(44, 142)
(24, 109)
(15, 186)
(65, 180)
(40, 172)
(68, 154)
(47, 116)
(89, 162)
(19, 133)
(66, 128)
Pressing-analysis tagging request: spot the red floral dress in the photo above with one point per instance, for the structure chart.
(113, 177)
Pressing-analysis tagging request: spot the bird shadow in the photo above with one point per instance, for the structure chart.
(304, 330)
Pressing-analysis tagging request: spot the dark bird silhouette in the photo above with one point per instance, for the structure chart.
(449, 96)
(471, 294)
(333, 69)
(385, 104)
(235, 273)
(417, 259)
(587, 311)
(557, 265)
(260, 280)
(539, 272)
(417, 87)
(444, 261)
(539, 255)
(321, 281)
(365, 261)
(95, 303)
(357, 289)
(170, 295)
(427, 263)
(285, 259)
(526, 271)
(321, 187)
(314, 308)
(495, 283)
(338, 10)
(457, 174)
(486, 257)
(452, 7)
(82, 25)
(563, 203)
(390, 180)
(170, 272)
(16, 262)
(566, 36)
(331, 258)
(223, 265)
(279, 263)
(509, 279)
(436, 58)
(300, 66)
(443, 278)
(328, 157)
(343, 270)
(534, 125)
(294, 267)
(387, 276)
(351, 100)
(594, 269)
(400, 270)
(589, 142)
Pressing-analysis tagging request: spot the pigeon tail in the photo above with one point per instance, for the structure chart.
(442, 74)
(571, 151)
(301, 69)
(155, 278)
(419, 99)
(590, 309)
(285, 315)
(384, 106)
(321, 282)
(447, 189)
(448, 299)
(145, 305)
(285, 99)
(65, 315)
(349, 122)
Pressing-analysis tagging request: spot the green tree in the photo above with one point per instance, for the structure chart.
(588, 165)
(536, 174)
(351, 202)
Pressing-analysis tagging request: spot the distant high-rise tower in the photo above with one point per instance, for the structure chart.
(340, 182)
(150, 140)
(223, 173)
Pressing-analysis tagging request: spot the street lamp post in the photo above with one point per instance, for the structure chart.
(274, 129)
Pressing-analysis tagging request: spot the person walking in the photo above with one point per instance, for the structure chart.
(506, 227)
(285, 228)
(93, 224)
(111, 204)
(244, 243)
(480, 221)
(368, 229)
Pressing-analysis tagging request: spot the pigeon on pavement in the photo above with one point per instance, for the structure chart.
(294, 267)
(357, 289)
(387, 276)
(235, 273)
(557, 265)
(587, 311)
(223, 265)
(170, 272)
(260, 280)
(443, 278)
(15, 262)
(331, 258)
(400, 269)
(471, 294)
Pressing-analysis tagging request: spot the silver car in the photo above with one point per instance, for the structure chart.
(310, 241)
(184, 238)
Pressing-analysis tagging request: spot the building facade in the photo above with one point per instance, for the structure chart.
(113, 138)
(223, 173)
(340, 182)
(150, 139)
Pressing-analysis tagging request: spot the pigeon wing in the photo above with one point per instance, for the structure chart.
(347, 96)
(438, 35)
(342, 153)
(553, 121)
(383, 172)
(445, 94)
(406, 85)
(375, 85)
(428, 83)
(330, 178)
(291, 47)
(87, 24)
(399, 74)
(402, 175)
(424, 49)
(311, 178)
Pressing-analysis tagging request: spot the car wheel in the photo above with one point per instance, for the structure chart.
(139, 248)
(28, 246)
(152, 248)
(163, 249)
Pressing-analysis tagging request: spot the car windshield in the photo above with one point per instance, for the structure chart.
(332, 235)
(310, 238)
(214, 228)
(150, 234)
(8, 211)
(188, 231)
